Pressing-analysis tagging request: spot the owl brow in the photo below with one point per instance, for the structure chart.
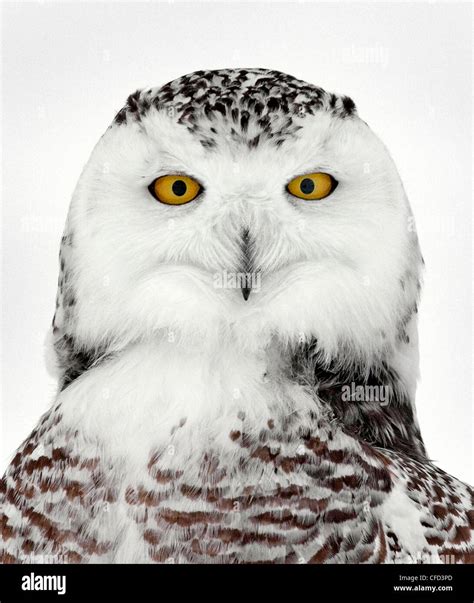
(177, 168)
(311, 170)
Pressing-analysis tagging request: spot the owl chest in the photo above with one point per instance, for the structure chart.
(221, 465)
(276, 496)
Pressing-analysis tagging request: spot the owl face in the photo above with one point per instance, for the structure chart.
(242, 204)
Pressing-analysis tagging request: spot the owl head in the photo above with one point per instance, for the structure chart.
(243, 205)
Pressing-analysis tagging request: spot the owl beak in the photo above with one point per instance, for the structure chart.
(246, 292)
(246, 249)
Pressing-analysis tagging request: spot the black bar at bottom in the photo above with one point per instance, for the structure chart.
(237, 582)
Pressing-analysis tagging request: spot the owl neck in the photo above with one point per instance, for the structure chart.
(374, 401)
(164, 383)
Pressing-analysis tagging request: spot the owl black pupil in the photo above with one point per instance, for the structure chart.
(179, 188)
(307, 186)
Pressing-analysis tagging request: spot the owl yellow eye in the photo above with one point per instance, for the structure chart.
(312, 186)
(174, 189)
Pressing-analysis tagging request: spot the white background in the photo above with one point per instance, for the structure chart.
(67, 68)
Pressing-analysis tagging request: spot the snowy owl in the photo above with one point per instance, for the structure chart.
(235, 341)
